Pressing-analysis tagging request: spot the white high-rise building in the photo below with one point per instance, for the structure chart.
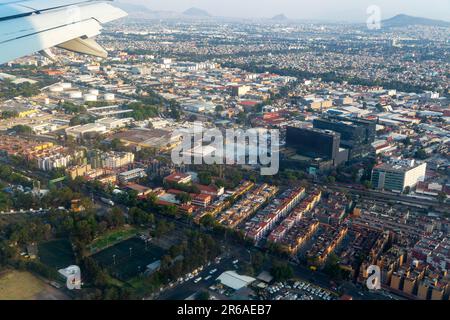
(398, 176)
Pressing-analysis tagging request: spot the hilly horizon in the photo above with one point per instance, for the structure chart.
(403, 20)
(143, 11)
(280, 17)
(196, 12)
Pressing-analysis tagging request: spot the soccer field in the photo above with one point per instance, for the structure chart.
(128, 258)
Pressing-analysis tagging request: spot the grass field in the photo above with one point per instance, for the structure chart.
(128, 263)
(112, 238)
(56, 253)
(22, 285)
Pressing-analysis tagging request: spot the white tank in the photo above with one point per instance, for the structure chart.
(93, 91)
(57, 88)
(90, 97)
(109, 96)
(66, 85)
(76, 95)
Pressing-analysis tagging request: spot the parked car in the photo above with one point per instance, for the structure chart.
(198, 280)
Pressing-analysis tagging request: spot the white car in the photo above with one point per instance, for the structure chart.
(213, 271)
(198, 280)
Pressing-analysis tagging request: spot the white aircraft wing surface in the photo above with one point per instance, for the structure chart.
(29, 26)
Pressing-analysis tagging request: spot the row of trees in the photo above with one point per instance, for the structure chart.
(9, 90)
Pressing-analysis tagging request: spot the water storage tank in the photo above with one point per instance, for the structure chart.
(109, 96)
(76, 95)
(93, 92)
(66, 85)
(90, 97)
(57, 88)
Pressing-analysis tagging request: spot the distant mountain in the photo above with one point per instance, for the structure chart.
(280, 17)
(132, 8)
(143, 12)
(196, 12)
(403, 20)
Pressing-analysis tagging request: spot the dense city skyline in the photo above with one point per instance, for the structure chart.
(171, 155)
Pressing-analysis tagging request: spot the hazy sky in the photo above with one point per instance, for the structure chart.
(337, 10)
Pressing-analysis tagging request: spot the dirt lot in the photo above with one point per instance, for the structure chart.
(22, 285)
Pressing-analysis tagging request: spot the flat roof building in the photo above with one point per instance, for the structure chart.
(398, 176)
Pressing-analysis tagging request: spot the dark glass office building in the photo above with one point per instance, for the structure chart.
(313, 143)
(356, 134)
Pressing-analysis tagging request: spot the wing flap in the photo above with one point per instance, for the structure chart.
(85, 46)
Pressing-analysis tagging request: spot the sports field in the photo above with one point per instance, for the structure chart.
(22, 285)
(111, 238)
(56, 253)
(128, 258)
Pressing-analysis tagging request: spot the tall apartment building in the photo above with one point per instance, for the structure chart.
(53, 162)
(113, 160)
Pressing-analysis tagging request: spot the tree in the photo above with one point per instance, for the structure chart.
(333, 269)
(421, 154)
(281, 271)
(183, 197)
(116, 218)
(71, 108)
(117, 145)
(204, 295)
(442, 196)
(367, 184)
(138, 216)
(257, 261)
(142, 111)
(162, 227)
(407, 190)
(9, 114)
(407, 141)
(219, 183)
(5, 201)
(205, 177)
(208, 221)
(23, 129)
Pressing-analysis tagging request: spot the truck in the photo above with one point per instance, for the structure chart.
(107, 201)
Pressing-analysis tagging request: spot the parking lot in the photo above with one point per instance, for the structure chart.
(296, 290)
(200, 279)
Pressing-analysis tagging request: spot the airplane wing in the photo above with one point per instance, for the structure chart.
(29, 26)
